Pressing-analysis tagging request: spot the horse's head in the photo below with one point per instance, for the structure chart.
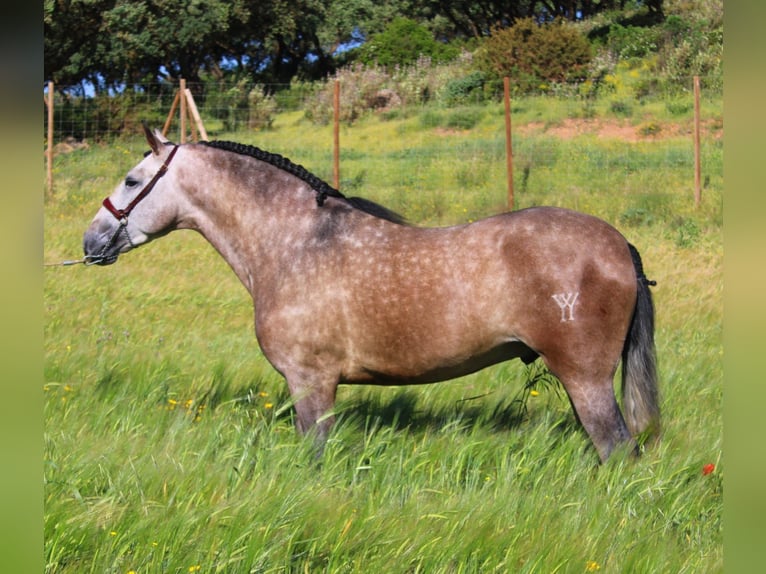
(138, 210)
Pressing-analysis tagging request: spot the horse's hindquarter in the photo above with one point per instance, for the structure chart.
(579, 282)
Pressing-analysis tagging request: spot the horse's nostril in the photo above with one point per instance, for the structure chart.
(92, 242)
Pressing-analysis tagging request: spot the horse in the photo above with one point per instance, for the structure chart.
(345, 291)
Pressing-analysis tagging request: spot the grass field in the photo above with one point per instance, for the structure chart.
(169, 441)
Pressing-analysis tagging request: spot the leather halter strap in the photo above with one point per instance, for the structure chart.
(122, 214)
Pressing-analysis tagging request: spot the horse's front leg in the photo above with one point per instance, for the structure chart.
(313, 399)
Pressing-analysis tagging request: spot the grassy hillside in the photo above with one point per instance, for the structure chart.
(169, 442)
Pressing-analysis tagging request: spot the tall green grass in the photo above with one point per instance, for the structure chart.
(169, 441)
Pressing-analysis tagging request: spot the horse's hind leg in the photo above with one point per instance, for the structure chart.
(596, 408)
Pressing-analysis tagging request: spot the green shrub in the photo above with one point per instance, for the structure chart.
(261, 109)
(650, 128)
(692, 49)
(649, 86)
(464, 89)
(464, 119)
(632, 41)
(687, 43)
(241, 105)
(679, 107)
(360, 86)
(366, 88)
(431, 119)
(687, 233)
(294, 97)
(621, 108)
(535, 56)
(426, 79)
(402, 43)
(458, 119)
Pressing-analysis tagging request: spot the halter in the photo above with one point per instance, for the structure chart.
(122, 214)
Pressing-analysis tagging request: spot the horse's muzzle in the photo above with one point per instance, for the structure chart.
(97, 249)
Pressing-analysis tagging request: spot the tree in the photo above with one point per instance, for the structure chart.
(71, 41)
(115, 42)
(533, 54)
(402, 43)
(278, 37)
(111, 43)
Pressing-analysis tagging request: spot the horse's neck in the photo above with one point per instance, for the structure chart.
(251, 230)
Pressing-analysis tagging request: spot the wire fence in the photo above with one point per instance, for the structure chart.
(244, 105)
(649, 134)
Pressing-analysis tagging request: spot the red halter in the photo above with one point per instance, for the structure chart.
(122, 214)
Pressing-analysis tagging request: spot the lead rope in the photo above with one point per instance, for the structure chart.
(94, 259)
(70, 262)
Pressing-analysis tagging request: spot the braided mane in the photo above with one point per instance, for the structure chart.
(322, 188)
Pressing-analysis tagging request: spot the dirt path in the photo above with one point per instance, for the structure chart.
(624, 131)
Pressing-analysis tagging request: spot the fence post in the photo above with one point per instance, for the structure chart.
(182, 89)
(195, 114)
(49, 151)
(697, 160)
(508, 141)
(169, 119)
(336, 136)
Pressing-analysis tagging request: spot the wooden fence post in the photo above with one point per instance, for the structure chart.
(188, 111)
(195, 114)
(336, 136)
(508, 140)
(182, 90)
(49, 151)
(173, 107)
(697, 129)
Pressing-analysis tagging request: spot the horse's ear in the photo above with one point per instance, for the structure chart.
(155, 138)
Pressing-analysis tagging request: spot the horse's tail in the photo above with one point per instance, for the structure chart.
(640, 392)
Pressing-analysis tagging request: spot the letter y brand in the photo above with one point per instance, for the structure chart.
(566, 301)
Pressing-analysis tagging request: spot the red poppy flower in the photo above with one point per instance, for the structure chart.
(707, 469)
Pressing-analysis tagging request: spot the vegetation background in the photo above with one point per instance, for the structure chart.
(169, 443)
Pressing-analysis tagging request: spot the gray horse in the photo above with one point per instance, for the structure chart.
(345, 291)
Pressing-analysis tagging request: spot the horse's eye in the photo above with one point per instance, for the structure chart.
(131, 182)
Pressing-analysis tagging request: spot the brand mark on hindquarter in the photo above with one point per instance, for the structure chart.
(566, 302)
